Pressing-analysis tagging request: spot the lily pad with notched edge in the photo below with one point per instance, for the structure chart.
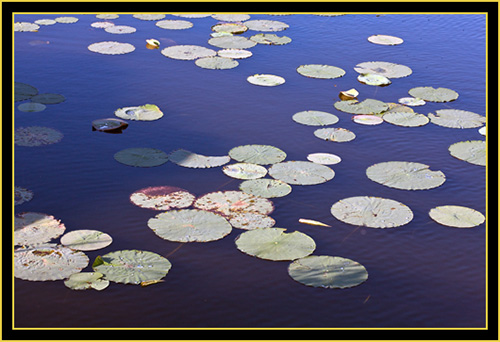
(266, 80)
(431, 94)
(301, 172)
(335, 134)
(187, 52)
(266, 25)
(111, 48)
(141, 157)
(162, 198)
(406, 119)
(36, 136)
(244, 171)
(456, 216)
(455, 118)
(250, 221)
(86, 239)
(33, 229)
(22, 195)
(386, 69)
(147, 112)
(189, 159)
(266, 188)
(216, 63)
(320, 71)
(270, 39)
(315, 118)
(231, 202)
(472, 151)
(368, 106)
(86, 280)
(383, 39)
(257, 154)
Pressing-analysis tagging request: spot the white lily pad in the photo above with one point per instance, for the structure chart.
(266, 80)
(22, 195)
(315, 118)
(66, 20)
(383, 39)
(257, 154)
(120, 29)
(190, 225)
(431, 94)
(189, 159)
(270, 39)
(244, 171)
(231, 42)
(26, 27)
(86, 280)
(368, 106)
(274, 244)
(86, 239)
(36, 136)
(456, 216)
(367, 119)
(387, 69)
(162, 198)
(327, 271)
(216, 63)
(31, 107)
(141, 157)
(45, 22)
(473, 152)
(48, 98)
(266, 25)
(250, 221)
(23, 91)
(374, 80)
(231, 202)
(231, 17)
(149, 17)
(266, 188)
(301, 172)
(234, 53)
(111, 48)
(320, 71)
(234, 28)
(373, 212)
(192, 15)
(147, 112)
(455, 118)
(324, 158)
(406, 119)
(102, 24)
(405, 175)
(107, 16)
(335, 134)
(411, 101)
(174, 24)
(31, 229)
(187, 52)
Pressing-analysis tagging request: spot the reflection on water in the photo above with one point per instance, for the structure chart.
(417, 272)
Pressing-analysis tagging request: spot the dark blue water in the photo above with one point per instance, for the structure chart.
(420, 275)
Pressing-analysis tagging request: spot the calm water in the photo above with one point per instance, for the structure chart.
(420, 275)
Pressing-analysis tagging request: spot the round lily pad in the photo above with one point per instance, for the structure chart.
(374, 80)
(216, 63)
(149, 17)
(405, 175)
(132, 266)
(270, 39)
(102, 24)
(231, 42)
(257, 154)
(382, 39)
(192, 15)
(66, 20)
(266, 188)
(301, 172)
(266, 80)
(25, 27)
(455, 118)
(456, 216)
(187, 52)
(47, 262)
(109, 125)
(327, 271)
(387, 69)
(320, 71)
(23, 91)
(86, 239)
(397, 107)
(373, 212)
(315, 118)
(162, 198)
(406, 119)
(174, 24)
(86, 280)
(45, 22)
(111, 48)
(120, 29)
(250, 221)
(190, 225)
(266, 25)
(231, 17)
(147, 112)
(244, 171)
(235, 28)
(368, 106)
(473, 152)
(36, 136)
(431, 94)
(411, 101)
(48, 98)
(324, 158)
(335, 134)
(33, 229)
(141, 157)
(189, 159)
(366, 119)
(234, 53)
(274, 244)
(31, 107)
(22, 195)
(107, 16)
(231, 202)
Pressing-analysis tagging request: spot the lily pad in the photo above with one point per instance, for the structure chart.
(231, 42)
(86, 239)
(274, 244)
(107, 16)
(231, 202)
(22, 195)
(231, 17)
(406, 119)
(120, 29)
(149, 17)
(235, 28)
(315, 118)
(387, 69)
(48, 98)
(66, 20)
(25, 27)
(266, 25)
(250, 221)
(23, 91)
(335, 134)
(397, 107)
(411, 101)
(162, 198)
(36, 136)
(187, 52)
(111, 48)
(216, 63)
(189, 159)
(86, 280)
(369, 120)
(431, 94)
(109, 125)
(45, 22)
(266, 188)
(456, 216)
(405, 175)
(174, 24)
(301, 172)
(266, 80)
(270, 39)
(382, 39)
(31, 107)
(102, 24)
(141, 157)
(244, 171)
(368, 106)
(374, 80)
(327, 271)
(473, 152)
(257, 154)
(132, 266)
(147, 112)
(324, 158)
(190, 225)
(234, 53)
(373, 212)
(47, 262)
(320, 71)
(455, 118)
(33, 229)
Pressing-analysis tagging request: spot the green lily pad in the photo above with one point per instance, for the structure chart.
(386, 69)
(48, 98)
(301, 173)
(120, 29)
(141, 157)
(266, 80)
(456, 216)
(455, 118)
(33, 229)
(250, 221)
(315, 118)
(86, 280)
(324, 158)
(132, 266)
(234, 53)
(190, 225)
(162, 198)
(335, 134)
(320, 71)
(231, 202)
(174, 24)
(147, 112)
(244, 171)
(431, 94)
(109, 125)
(266, 188)
(216, 63)
(367, 119)
(383, 39)
(47, 262)
(31, 107)
(368, 106)
(274, 244)
(374, 80)
(187, 52)
(405, 175)
(111, 48)
(397, 107)
(373, 212)
(231, 17)
(232, 42)
(86, 240)
(266, 25)
(406, 119)
(257, 154)
(235, 28)
(327, 271)
(36, 136)
(473, 152)
(270, 39)
(22, 195)
(149, 17)
(23, 91)
(189, 159)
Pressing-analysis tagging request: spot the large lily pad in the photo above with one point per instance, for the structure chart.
(147, 112)
(244, 171)
(406, 119)
(431, 94)
(320, 71)
(189, 159)
(383, 39)
(174, 24)
(86, 239)
(231, 42)
(36, 136)
(368, 106)
(36, 228)
(216, 63)
(267, 188)
(327, 271)
(455, 118)
(266, 25)
(234, 28)
(301, 172)
(315, 118)
(405, 175)
(473, 152)
(335, 134)
(132, 266)
(162, 198)
(266, 80)
(231, 202)
(25, 27)
(373, 212)
(456, 216)
(111, 48)
(274, 244)
(86, 280)
(190, 225)
(250, 221)
(141, 157)
(47, 262)
(270, 39)
(257, 154)
(187, 52)
(22, 195)
(387, 69)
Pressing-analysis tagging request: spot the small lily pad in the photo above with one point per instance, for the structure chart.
(244, 171)
(266, 188)
(174, 24)
(383, 39)
(231, 17)
(406, 119)
(456, 216)
(315, 118)
(147, 112)
(24, 91)
(270, 39)
(36, 136)
(189, 159)
(411, 101)
(31, 107)
(149, 17)
(301, 172)
(22, 195)
(66, 20)
(120, 29)
(231, 202)
(257, 154)
(33, 229)
(26, 27)
(235, 28)
(216, 63)
(473, 152)
(231, 42)
(369, 120)
(324, 158)
(107, 16)
(162, 198)
(320, 71)
(45, 22)
(335, 134)
(374, 80)
(266, 25)
(187, 52)
(111, 48)
(250, 221)
(141, 157)
(102, 24)
(431, 94)
(234, 53)
(48, 98)
(386, 69)
(266, 80)
(86, 280)
(368, 106)
(455, 118)
(86, 239)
